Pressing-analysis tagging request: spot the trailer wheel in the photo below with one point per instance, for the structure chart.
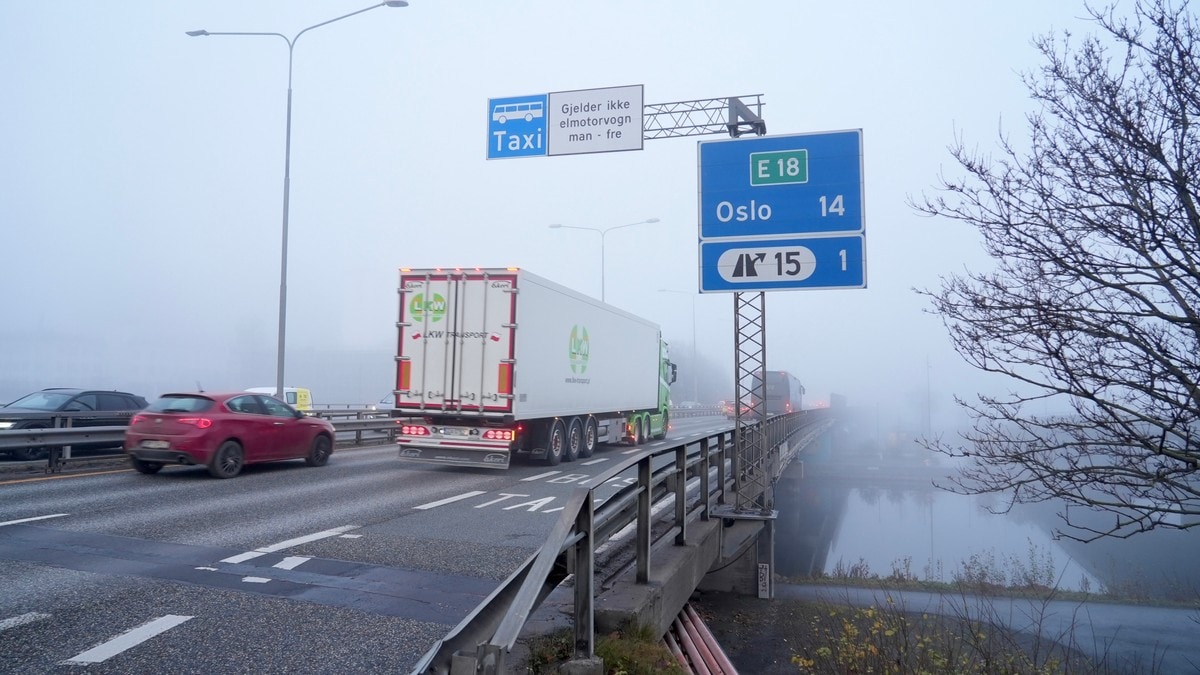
(666, 425)
(590, 434)
(556, 440)
(574, 440)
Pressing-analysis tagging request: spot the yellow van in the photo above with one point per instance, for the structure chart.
(297, 397)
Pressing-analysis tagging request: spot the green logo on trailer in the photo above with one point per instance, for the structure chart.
(577, 350)
(435, 306)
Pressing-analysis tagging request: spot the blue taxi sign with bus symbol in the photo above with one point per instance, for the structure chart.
(517, 126)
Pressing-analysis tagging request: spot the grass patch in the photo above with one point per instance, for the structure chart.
(634, 650)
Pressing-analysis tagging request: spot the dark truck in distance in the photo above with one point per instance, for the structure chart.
(39, 409)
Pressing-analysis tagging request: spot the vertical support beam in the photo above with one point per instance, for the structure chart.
(681, 495)
(722, 476)
(643, 522)
(585, 635)
(766, 561)
(752, 476)
(705, 482)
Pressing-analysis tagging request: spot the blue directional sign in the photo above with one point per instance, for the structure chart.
(781, 185)
(783, 264)
(517, 126)
(782, 212)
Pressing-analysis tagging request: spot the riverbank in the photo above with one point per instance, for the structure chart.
(820, 628)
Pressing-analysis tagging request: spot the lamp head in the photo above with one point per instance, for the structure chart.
(197, 33)
(650, 220)
(556, 226)
(396, 3)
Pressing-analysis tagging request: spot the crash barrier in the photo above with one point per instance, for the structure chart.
(65, 430)
(481, 641)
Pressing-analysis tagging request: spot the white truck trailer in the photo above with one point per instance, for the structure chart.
(494, 362)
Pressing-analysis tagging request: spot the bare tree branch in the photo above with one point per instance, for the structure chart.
(1093, 306)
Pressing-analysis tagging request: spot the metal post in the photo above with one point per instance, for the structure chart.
(287, 173)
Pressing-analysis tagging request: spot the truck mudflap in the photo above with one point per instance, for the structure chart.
(488, 458)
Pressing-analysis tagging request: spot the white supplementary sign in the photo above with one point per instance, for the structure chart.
(595, 120)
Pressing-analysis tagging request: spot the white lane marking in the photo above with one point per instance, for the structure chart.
(249, 555)
(292, 562)
(28, 617)
(207, 569)
(255, 580)
(540, 476)
(351, 536)
(655, 445)
(30, 520)
(595, 461)
(126, 640)
(632, 452)
(449, 500)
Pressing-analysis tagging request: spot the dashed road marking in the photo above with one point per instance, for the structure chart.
(126, 640)
(28, 617)
(449, 500)
(292, 562)
(30, 520)
(255, 580)
(540, 476)
(595, 461)
(250, 555)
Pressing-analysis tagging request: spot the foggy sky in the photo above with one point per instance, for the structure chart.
(142, 174)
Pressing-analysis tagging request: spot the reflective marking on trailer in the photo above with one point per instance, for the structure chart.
(448, 500)
(30, 520)
(126, 640)
(540, 476)
(28, 617)
(249, 555)
(292, 562)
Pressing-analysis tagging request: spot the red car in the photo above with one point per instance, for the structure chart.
(224, 432)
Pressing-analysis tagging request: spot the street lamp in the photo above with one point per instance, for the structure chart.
(287, 168)
(603, 233)
(695, 365)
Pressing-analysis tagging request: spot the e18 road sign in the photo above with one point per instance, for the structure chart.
(782, 212)
(781, 185)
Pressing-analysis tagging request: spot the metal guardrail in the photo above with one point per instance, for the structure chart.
(59, 438)
(479, 643)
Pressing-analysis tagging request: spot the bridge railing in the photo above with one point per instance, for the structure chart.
(480, 642)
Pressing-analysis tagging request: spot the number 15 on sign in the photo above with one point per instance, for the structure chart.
(804, 263)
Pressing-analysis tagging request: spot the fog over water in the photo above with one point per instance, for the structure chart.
(923, 533)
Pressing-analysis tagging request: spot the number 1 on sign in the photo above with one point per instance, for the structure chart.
(836, 206)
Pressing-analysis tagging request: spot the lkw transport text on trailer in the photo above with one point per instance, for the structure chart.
(498, 361)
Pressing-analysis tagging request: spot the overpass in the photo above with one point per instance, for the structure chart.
(650, 578)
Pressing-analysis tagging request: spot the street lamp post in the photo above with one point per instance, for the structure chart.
(287, 169)
(695, 365)
(603, 234)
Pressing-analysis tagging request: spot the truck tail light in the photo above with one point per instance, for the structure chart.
(499, 435)
(414, 430)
